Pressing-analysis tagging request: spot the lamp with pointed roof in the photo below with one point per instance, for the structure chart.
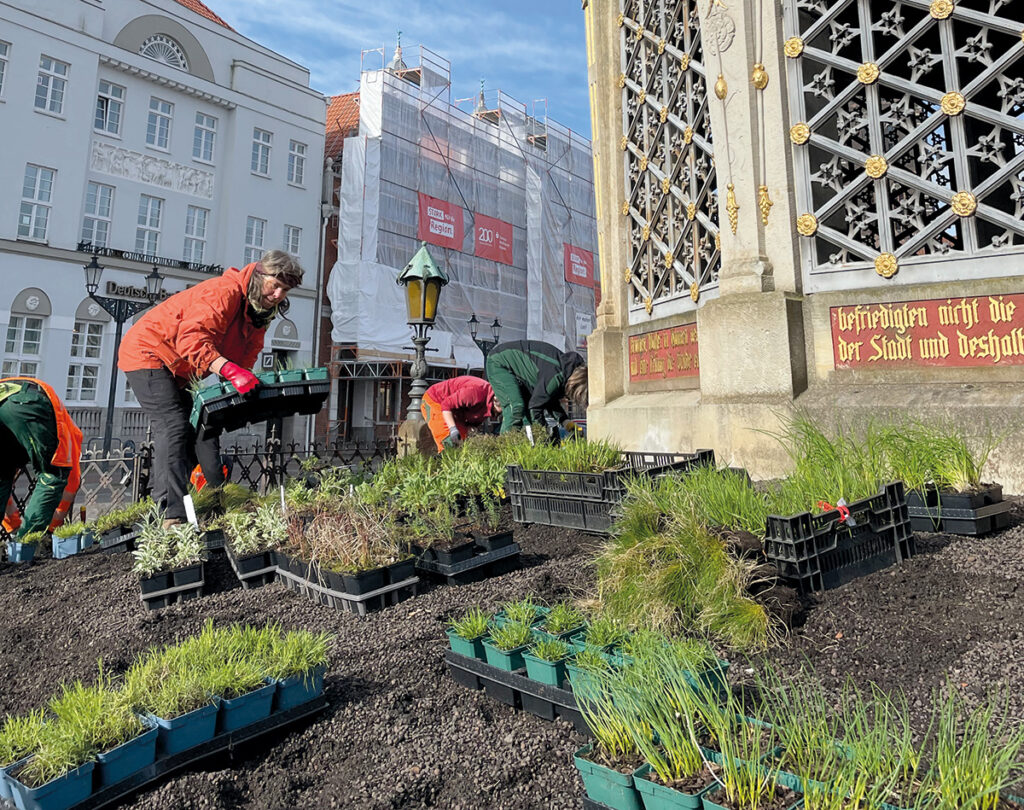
(423, 280)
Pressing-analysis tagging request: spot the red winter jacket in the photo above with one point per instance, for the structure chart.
(189, 330)
(470, 399)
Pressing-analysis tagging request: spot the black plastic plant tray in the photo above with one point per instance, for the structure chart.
(567, 513)
(172, 596)
(120, 544)
(361, 605)
(231, 410)
(516, 690)
(817, 552)
(253, 579)
(970, 513)
(221, 744)
(480, 566)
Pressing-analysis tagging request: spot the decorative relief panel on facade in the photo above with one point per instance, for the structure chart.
(121, 162)
(671, 194)
(908, 130)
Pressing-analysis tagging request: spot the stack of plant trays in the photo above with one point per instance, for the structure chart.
(172, 587)
(118, 540)
(970, 513)
(479, 558)
(253, 570)
(815, 552)
(311, 582)
(587, 501)
(219, 407)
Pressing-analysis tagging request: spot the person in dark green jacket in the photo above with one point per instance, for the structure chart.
(530, 378)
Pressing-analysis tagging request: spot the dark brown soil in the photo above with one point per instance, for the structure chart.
(783, 800)
(400, 734)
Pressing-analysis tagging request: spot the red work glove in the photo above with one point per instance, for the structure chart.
(243, 379)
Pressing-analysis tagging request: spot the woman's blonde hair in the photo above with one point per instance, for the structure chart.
(577, 387)
(282, 265)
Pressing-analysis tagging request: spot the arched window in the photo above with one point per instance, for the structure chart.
(162, 48)
(86, 352)
(24, 339)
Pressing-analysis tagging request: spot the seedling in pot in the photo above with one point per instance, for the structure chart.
(524, 611)
(296, 653)
(590, 661)
(562, 618)
(20, 736)
(551, 650)
(31, 538)
(510, 636)
(70, 529)
(471, 625)
(603, 634)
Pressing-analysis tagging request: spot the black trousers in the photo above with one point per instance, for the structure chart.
(175, 447)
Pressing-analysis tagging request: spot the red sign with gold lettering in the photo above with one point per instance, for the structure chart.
(949, 332)
(664, 355)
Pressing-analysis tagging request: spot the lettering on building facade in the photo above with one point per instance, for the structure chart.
(664, 355)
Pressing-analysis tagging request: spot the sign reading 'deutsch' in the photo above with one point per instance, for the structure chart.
(948, 332)
(579, 265)
(493, 239)
(440, 222)
(664, 355)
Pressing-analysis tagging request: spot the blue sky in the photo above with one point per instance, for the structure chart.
(530, 49)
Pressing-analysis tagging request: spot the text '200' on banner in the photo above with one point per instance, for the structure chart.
(947, 332)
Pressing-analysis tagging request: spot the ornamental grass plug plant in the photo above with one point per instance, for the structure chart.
(603, 633)
(551, 650)
(473, 624)
(511, 636)
(562, 618)
(938, 453)
(123, 517)
(352, 538)
(590, 661)
(577, 456)
(522, 611)
(69, 529)
(19, 736)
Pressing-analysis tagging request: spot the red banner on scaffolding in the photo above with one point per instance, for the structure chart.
(440, 222)
(579, 265)
(493, 239)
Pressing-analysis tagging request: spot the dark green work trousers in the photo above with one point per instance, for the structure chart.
(28, 436)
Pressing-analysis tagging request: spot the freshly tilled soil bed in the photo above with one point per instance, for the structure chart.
(400, 734)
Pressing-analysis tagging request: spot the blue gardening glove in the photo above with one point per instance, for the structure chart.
(454, 437)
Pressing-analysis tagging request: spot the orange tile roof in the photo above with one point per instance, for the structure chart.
(342, 118)
(200, 8)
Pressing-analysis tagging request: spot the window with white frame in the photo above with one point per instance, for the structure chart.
(51, 84)
(292, 236)
(99, 202)
(296, 162)
(36, 192)
(5, 50)
(109, 105)
(23, 346)
(254, 231)
(261, 151)
(203, 139)
(158, 126)
(195, 233)
(84, 368)
(147, 234)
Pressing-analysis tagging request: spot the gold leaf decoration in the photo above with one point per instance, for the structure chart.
(759, 76)
(640, 33)
(718, 241)
(620, 19)
(663, 114)
(643, 163)
(721, 87)
(964, 203)
(688, 135)
(794, 47)
(732, 207)
(953, 103)
(648, 305)
(669, 258)
(764, 203)
(886, 265)
(695, 292)
(684, 61)
(628, 275)
(625, 208)
(623, 143)
(799, 133)
(691, 211)
(665, 185)
(876, 166)
(661, 46)
(868, 73)
(642, 97)
(622, 80)
(940, 9)
(645, 234)
(807, 224)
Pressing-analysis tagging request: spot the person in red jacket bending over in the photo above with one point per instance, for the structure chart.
(453, 406)
(218, 325)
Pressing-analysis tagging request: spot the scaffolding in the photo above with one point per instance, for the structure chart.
(493, 165)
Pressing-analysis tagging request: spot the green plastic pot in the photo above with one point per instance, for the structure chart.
(470, 648)
(551, 673)
(656, 796)
(507, 660)
(708, 800)
(500, 619)
(565, 635)
(584, 683)
(611, 788)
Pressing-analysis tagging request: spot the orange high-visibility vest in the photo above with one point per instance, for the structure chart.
(68, 454)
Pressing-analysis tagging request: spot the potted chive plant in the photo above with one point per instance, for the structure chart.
(506, 645)
(466, 634)
(23, 549)
(545, 661)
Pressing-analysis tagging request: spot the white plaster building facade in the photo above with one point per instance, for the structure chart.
(155, 134)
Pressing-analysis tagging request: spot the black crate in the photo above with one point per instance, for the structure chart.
(816, 552)
(972, 513)
(587, 501)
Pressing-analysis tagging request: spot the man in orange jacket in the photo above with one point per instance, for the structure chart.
(217, 325)
(36, 429)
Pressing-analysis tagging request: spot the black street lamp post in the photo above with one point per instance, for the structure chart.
(483, 344)
(120, 309)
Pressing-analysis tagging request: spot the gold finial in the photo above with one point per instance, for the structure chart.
(868, 73)
(941, 9)
(799, 133)
(645, 234)
(640, 33)
(721, 87)
(953, 103)
(886, 265)
(718, 241)
(759, 76)
(661, 46)
(628, 275)
(807, 224)
(964, 203)
(622, 80)
(732, 207)
(876, 166)
(764, 203)
(665, 185)
(648, 305)
(695, 292)
(663, 114)
(620, 19)
(669, 258)
(643, 163)
(794, 47)
(691, 211)
(642, 97)
(623, 143)
(684, 61)
(625, 208)
(688, 135)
